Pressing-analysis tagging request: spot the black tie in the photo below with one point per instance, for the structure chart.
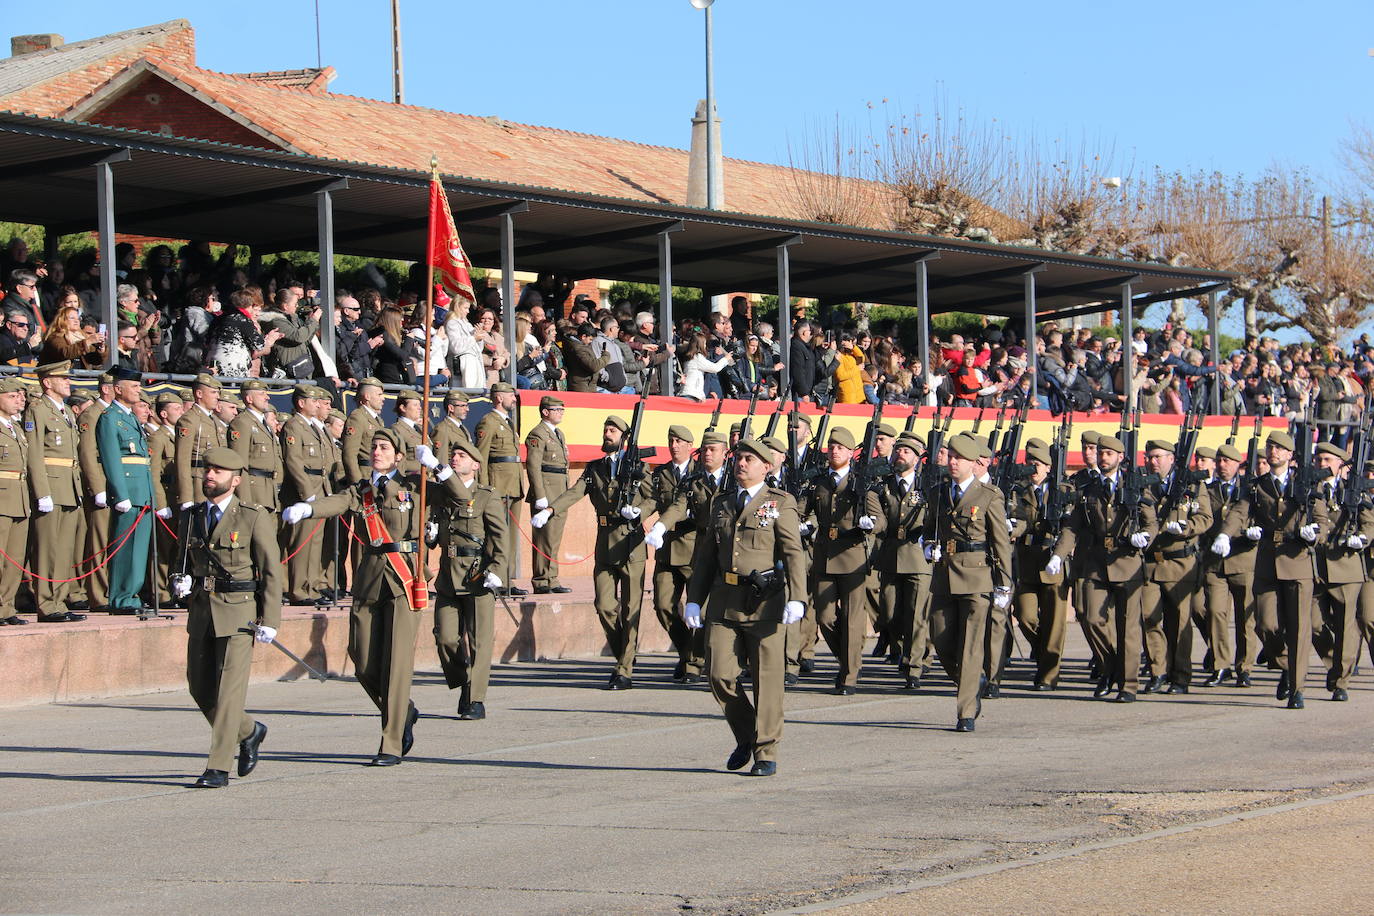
(835, 478)
(212, 517)
(902, 488)
(741, 501)
(955, 494)
(381, 488)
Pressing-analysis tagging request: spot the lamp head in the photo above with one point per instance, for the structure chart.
(703, 4)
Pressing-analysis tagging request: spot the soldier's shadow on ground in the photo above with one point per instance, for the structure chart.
(159, 779)
(151, 779)
(545, 765)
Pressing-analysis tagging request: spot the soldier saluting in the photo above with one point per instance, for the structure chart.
(234, 590)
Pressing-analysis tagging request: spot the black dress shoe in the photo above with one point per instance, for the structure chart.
(13, 621)
(1283, 689)
(560, 590)
(763, 768)
(464, 699)
(619, 682)
(408, 736)
(1104, 687)
(1332, 677)
(248, 749)
(806, 665)
(964, 725)
(679, 672)
(991, 691)
(739, 757)
(1243, 679)
(1295, 700)
(1094, 670)
(1340, 695)
(69, 617)
(515, 592)
(327, 594)
(912, 683)
(1215, 678)
(1043, 688)
(1177, 688)
(879, 648)
(385, 760)
(1153, 685)
(790, 680)
(692, 678)
(844, 690)
(78, 605)
(212, 779)
(474, 712)
(1124, 697)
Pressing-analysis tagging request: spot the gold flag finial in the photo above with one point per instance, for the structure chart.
(434, 164)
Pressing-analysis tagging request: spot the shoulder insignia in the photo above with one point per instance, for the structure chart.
(233, 434)
(350, 429)
(290, 440)
(28, 426)
(85, 427)
(183, 431)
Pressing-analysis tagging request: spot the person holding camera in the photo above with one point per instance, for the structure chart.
(296, 318)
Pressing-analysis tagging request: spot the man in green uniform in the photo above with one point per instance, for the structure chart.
(55, 479)
(546, 463)
(305, 460)
(498, 442)
(15, 506)
(409, 405)
(198, 431)
(256, 444)
(234, 595)
(682, 489)
(96, 500)
(1341, 565)
(903, 571)
(1041, 601)
(168, 408)
(453, 427)
(129, 484)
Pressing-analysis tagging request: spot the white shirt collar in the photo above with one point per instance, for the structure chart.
(375, 415)
(841, 473)
(261, 417)
(552, 428)
(410, 422)
(754, 491)
(206, 412)
(376, 477)
(120, 405)
(223, 503)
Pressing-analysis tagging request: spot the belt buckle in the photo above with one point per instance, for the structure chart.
(901, 534)
(949, 547)
(1109, 543)
(834, 532)
(731, 578)
(377, 542)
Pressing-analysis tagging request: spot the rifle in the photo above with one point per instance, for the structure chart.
(1252, 458)
(996, 433)
(866, 475)
(1057, 498)
(930, 471)
(815, 462)
(1307, 475)
(1183, 483)
(911, 419)
(715, 416)
(1011, 446)
(788, 472)
(1235, 426)
(1134, 480)
(631, 470)
(977, 421)
(743, 434)
(1355, 486)
(772, 426)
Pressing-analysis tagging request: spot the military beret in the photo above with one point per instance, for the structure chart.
(455, 397)
(369, 382)
(840, 436)
(467, 448)
(735, 428)
(984, 448)
(55, 370)
(802, 418)
(549, 402)
(407, 395)
(207, 381)
(186, 397)
(911, 441)
(1331, 448)
(321, 394)
(121, 374)
(965, 447)
(1090, 437)
(79, 397)
(232, 401)
(1163, 445)
(302, 391)
(617, 422)
(1040, 454)
(502, 388)
(885, 430)
(1203, 451)
(775, 444)
(1369, 467)
(336, 414)
(253, 385)
(1037, 442)
(106, 378)
(10, 384)
(677, 431)
(146, 397)
(754, 447)
(167, 397)
(382, 432)
(713, 438)
(225, 458)
(1281, 439)
(1230, 451)
(1111, 443)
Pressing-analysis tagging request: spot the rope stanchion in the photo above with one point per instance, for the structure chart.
(113, 549)
(313, 531)
(163, 523)
(514, 524)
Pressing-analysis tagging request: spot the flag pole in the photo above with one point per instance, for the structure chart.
(420, 587)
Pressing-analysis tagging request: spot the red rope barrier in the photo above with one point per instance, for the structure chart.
(164, 524)
(112, 549)
(517, 527)
(318, 526)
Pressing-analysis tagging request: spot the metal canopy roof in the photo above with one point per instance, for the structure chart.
(192, 189)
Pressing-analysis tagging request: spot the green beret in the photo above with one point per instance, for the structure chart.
(735, 428)
(302, 391)
(253, 385)
(1037, 442)
(965, 447)
(321, 394)
(1230, 451)
(1162, 445)
(80, 397)
(775, 444)
(802, 418)
(389, 435)
(369, 382)
(186, 397)
(502, 388)
(407, 395)
(455, 397)
(1040, 454)
(167, 397)
(467, 448)
(754, 447)
(225, 458)
(1090, 437)
(885, 430)
(840, 436)
(55, 370)
(106, 378)
(231, 400)
(911, 441)
(207, 381)
(10, 384)
(677, 431)
(336, 414)
(713, 438)
(1281, 439)
(1203, 451)
(549, 402)
(1331, 448)
(617, 422)
(1111, 443)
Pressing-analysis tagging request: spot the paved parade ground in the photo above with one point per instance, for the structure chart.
(571, 799)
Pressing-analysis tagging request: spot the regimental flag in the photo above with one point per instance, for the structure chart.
(452, 270)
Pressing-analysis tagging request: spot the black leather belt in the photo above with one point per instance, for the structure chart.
(393, 547)
(211, 584)
(314, 472)
(504, 459)
(259, 472)
(455, 551)
(1175, 554)
(965, 546)
(551, 469)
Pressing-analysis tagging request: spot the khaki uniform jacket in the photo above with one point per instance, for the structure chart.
(980, 517)
(263, 474)
(840, 543)
(1241, 560)
(305, 460)
(1098, 533)
(899, 550)
(54, 469)
(1281, 554)
(197, 433)
(162, 452)
(683, 510)
(1163, 562)
(446, 433)
(14, 472)
(732, 544)
(545, 451)
(1338, 563)
(357, 443)
(500, 450)
(88, 451)
(399, 511)
(244, 549)
(472, 535)
(1031, 535)
(618, 541)
(410, 437)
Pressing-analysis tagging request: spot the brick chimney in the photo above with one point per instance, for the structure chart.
(27, 44)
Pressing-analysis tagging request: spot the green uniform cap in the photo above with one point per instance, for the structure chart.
(225, 458)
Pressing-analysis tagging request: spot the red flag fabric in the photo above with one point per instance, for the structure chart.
(452, 269)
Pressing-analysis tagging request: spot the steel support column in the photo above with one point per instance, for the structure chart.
(508, 291)
(665, 306)
(324, 210)
(784, 334)
(1127, 353)
(923, 318)
(1032, 364)
(1214, 331)
(104, 196)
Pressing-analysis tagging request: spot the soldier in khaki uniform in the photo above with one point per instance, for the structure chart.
(1173, 574)
(98, 519)
(839, 566)
(15, 504)
(453, 427)
(365, 420)
(55, 480)
(1228, 582)
(472, 526)
(498, 442)
(682, 489)
(257, 445)
(969, 548)
(546, 463)
(168, 408)
(1102, 635)
(198, 431)
(1285, 562)
(618, 576)
(384, 620)
(409, 406)
(749, 572)
(1341, 565)
(903, 571)
(1041, 601)
(1107, 538)
(331, 582)
(234, 594)
(305, 463)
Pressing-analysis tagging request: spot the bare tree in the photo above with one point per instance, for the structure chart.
(827, 184)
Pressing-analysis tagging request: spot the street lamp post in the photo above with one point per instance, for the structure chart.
(710, 108)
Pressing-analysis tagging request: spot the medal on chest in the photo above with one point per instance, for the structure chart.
(403, 501)
(766, 513)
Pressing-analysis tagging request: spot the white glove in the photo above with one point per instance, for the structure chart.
(792, 611)
(425, 455)
(933, 553)
(432, 531)
(805, 529)
(1001, 597)
(181, 586)
(444, 474)
(866, 522)
(294, 513)
(541, 503)
(540, 519)
(264, 634)
(1140, 539)
(1357, 542)
(654, 536)
(1174, 527)
(45, 504)
(629, 513)
(184, 506)
(491, 580)
(164, 513)
(691, 615)
(1011, 525)
(100, 500)
(1309, 533)
(1055, 566)
(1222, 545)
(1254, 533)
(123, 506)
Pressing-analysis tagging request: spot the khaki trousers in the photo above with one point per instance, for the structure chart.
(1338, 640)
(1366, 616)
(1170, 604)
(1117, 604)
(304, 543)
(473, 616)
(381, 644)
(54, 546)
(1283, 617)
(958, 628)
(1042, 613)
(1230, 605)
(756, 724)
(217, 670)
(97, 539)
(14, 536)
(669, 584)
(842, 617)
(906, 603)
(619, 598)
(547, 542)
(998, 646)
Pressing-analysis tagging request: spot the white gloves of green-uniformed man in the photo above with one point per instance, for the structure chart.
(1140, 540)
(123, 506)
(164, 513)
(264, 634)
(491, 580)
(1357, 542)
(654, 536)
(1174, 527)
(295, 512)
(866, 522)
(1055, 566)
(541, 518)
(45, 504)
(180, 585)
(1001, 597)
(1222, 545)
(102, 500)
(425, 455)
(541, 503)
(1309, 533)
(629, 513)
(792, 611)
(932, 551)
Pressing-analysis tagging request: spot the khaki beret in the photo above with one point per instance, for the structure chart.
(253, 385)
(502, 388)
(1163, 445)
(389, 435)
(369, 382)
(1331, 448)
(456, 397)
(302, 391)
(225, 458)
(617, 422)
(467, 448)
(1040, 454)
(755, 447)
(965, 447)
(840, 436)
(1203, 451)
(549, 402)
(55, 370)
(1111, 443)
(1090, 437)
(911, 441)
(321, 394)
(1230, 451)
(207, 381)
(106, 378)
(1037, 442)
(336, 414)
(80, 397)
(1281, 439)
(802, 418)
(186, 396)
(10, 385)
(735, 428)
(167, 397)
(677, 431)
(775, 444)
(407, 395)
(231, 400)
(886, 430)
(713, 438)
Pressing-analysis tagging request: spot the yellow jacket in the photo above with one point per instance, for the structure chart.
(849, 377)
